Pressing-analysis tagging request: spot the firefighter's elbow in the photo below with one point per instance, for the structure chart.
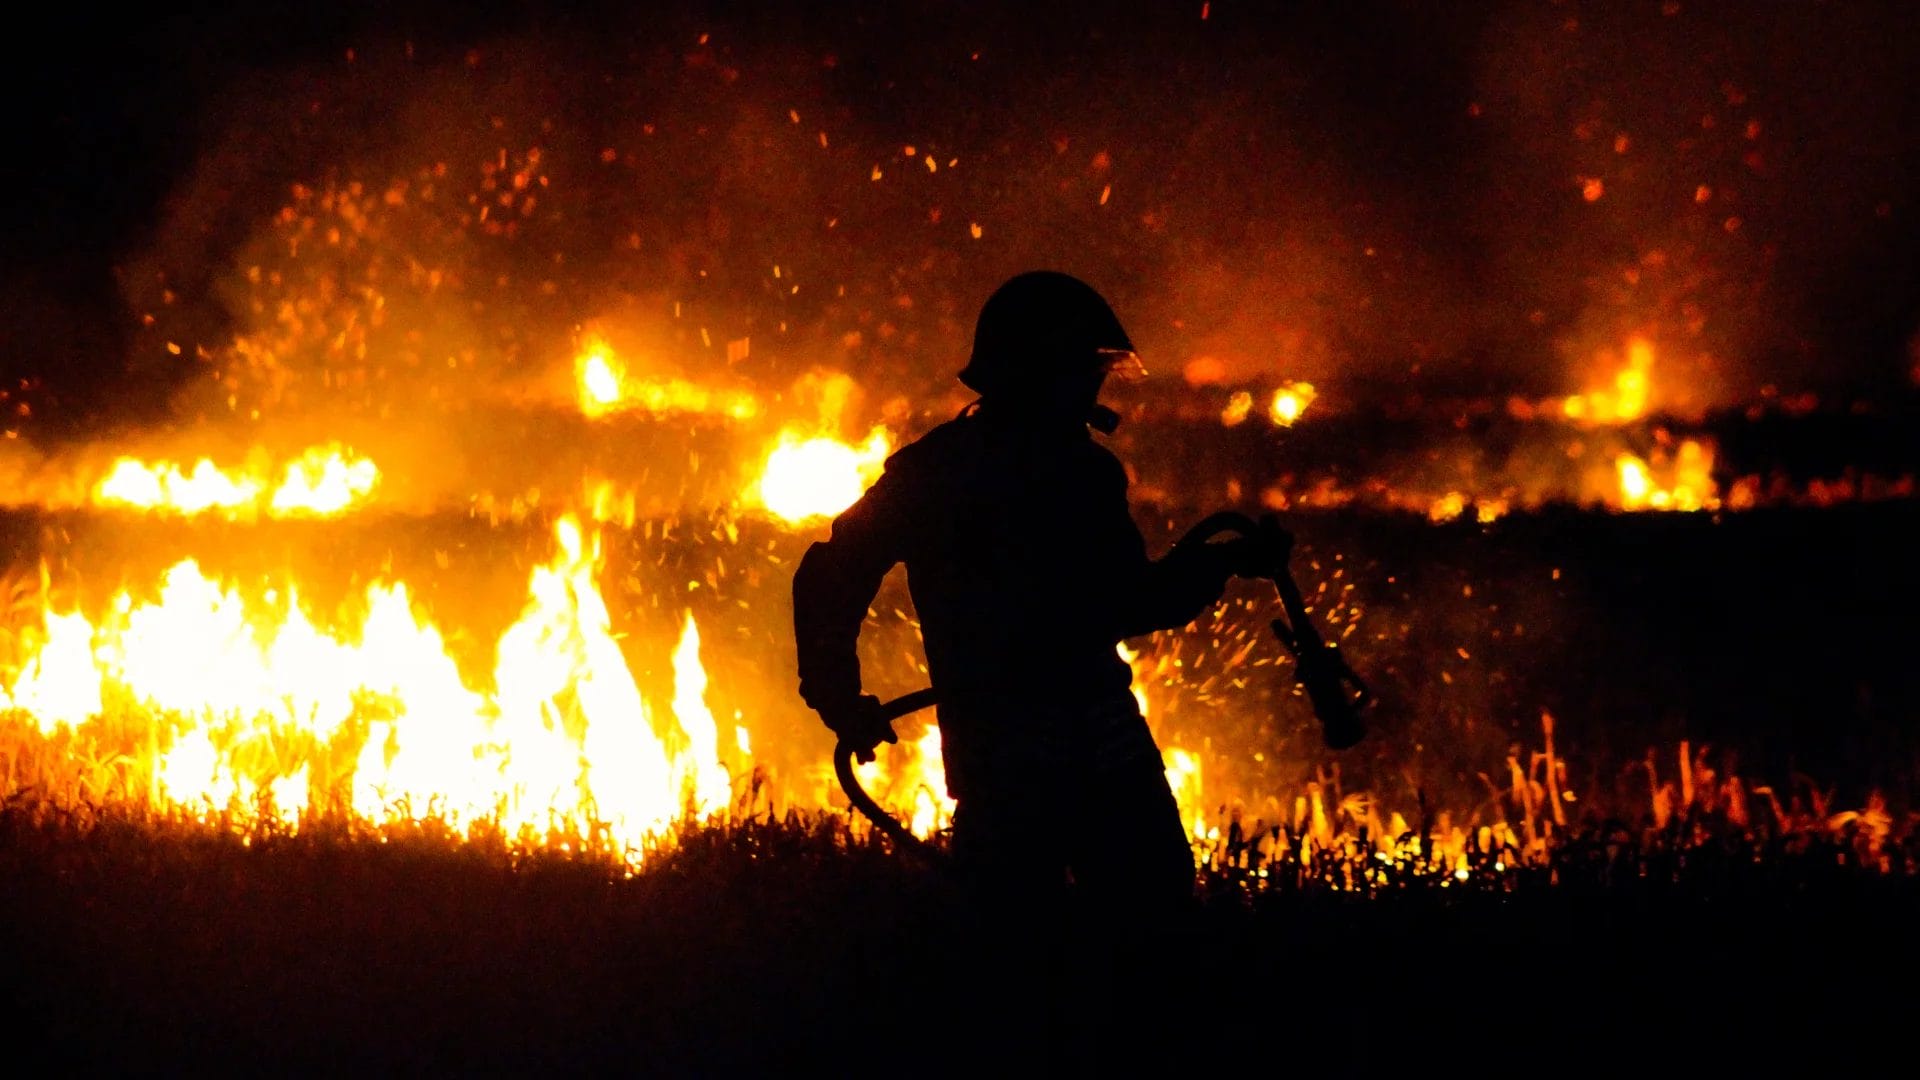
(807, 576)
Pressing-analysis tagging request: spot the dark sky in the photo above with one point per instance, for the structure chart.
(1384, 190)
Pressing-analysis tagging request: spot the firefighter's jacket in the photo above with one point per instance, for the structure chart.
(1026, 571)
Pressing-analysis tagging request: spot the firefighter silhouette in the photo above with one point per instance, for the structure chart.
(1026, 571)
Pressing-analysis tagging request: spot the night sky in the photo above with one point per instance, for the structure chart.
(1459, 197)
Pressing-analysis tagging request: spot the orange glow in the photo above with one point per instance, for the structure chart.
(808, 478)
(1204, 371)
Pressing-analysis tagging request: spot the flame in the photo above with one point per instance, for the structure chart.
(323, 481)
(1447, 507)
(1182, 766)
(1682, 482)
(807, 478)
(1634, 482)
(710, 786)
(1289, 402)
(599, 382)
(932, 806)
(604, 386)
(57, 686)
(912, 775)
(1183, 777)
(165, 486)
(247, 693)
(1629, 396)
(1450, 506)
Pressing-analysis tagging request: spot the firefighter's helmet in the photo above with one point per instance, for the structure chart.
(1040, 324)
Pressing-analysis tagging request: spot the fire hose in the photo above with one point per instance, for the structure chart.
(1338, 695)
(902, 837)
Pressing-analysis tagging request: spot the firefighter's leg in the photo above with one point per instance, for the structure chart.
(1009, 859)
(1133, 867)
(1132, 858)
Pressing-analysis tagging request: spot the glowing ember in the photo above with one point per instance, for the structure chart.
(323, 481)
(810, 478)
(1239, 406)
(1289, 402)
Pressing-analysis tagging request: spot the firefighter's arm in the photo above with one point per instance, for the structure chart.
(1175, 589)
(832, 589)
(1172, 591)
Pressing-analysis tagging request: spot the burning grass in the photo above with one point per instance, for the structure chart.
(565, 683)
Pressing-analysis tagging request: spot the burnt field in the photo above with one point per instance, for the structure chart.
(1752, 901)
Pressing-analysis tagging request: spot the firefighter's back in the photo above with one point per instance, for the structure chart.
(1024, 530)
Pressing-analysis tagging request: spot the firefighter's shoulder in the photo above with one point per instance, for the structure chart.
(952, 439)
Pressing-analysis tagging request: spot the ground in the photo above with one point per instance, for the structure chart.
(787, 947)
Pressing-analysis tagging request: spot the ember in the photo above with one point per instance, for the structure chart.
(1289, 402)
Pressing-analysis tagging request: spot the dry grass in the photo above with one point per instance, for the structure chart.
(145, 940)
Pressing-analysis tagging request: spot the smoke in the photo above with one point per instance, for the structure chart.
(1385, 195)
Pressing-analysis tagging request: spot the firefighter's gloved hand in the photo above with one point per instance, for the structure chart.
(1215, 563)
(1276, 545)
(858, 722)
(1251, 556)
